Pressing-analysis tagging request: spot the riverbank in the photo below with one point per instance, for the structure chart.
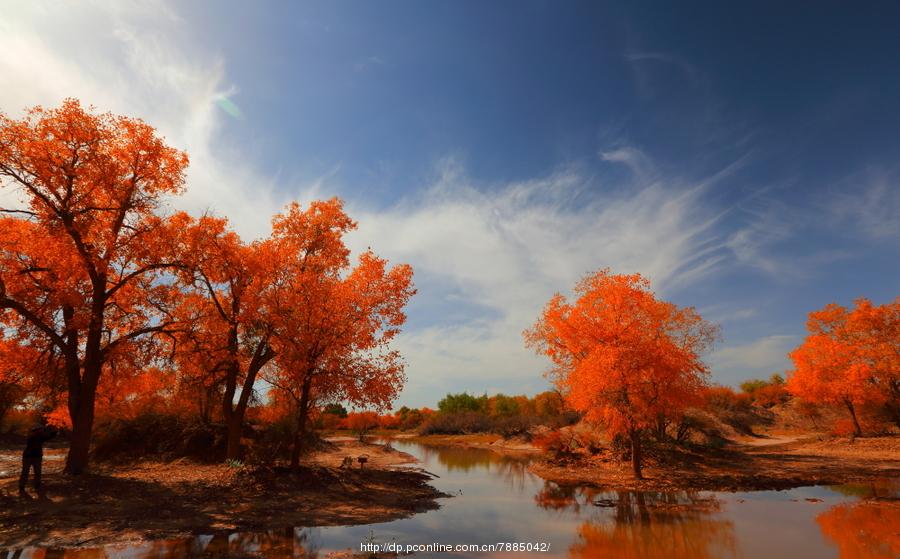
(743, 466)
(145, 500)
(475, 440)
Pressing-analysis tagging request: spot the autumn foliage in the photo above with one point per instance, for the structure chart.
(108, 303)
(82, 260)
(622, 356)
(850, 358)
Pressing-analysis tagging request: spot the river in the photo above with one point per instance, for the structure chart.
(496, 501)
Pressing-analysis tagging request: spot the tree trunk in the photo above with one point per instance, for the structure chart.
(234, 413)
(233, 419)
(857, 431)
(81, 412)
(300, 433)
(661, 425)
(636, 454)
(893, 404)
(895, 414)
(233, 430)
(80, 444)
(83, 389)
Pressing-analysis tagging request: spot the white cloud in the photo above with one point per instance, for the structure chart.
(492, 254)
(633, 158)
(136, 59)
(759, 358)
(506, 250)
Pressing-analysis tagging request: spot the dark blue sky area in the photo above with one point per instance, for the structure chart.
(794, 107)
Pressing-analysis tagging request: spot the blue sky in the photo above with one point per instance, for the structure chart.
(743, 156)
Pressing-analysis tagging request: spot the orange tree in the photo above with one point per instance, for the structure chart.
(333, 322)
(851, 357)
(80, 262)
(228, 344)
(622, 356)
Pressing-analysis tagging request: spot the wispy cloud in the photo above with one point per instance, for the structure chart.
(633, 158)
(502, 252)
(724, 313)
(759, 358)
(133, 61)
(486, 256)
(871, 206)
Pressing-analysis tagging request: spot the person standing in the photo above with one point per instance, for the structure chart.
(33, 455)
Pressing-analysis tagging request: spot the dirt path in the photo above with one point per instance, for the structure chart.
(769, 440)
(152, 500)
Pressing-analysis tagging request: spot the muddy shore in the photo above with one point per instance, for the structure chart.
(145, 500)
(481, 440)
(742, 466)
(766, 462)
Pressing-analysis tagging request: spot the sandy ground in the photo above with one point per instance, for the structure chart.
(150, 500)
(779, 462)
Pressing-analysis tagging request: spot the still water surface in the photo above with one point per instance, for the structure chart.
(497, 500)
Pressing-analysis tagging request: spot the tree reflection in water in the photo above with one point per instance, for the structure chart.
(863, 530)
(288, 542)
(626, 524)
(509, 467)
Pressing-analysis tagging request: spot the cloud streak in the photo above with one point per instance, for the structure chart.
(486, 256)
(500, 253)
(134, 63)
(759, 358)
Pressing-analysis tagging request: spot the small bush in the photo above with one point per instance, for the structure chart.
(158, 434)
(735, 410)
(274, 440)
(564, 419)
(18, 421)
(556, 443)
(514, 426)
(460, 423)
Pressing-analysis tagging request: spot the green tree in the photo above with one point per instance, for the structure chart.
(335, 409)
(453, 403)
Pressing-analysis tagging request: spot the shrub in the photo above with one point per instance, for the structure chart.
(18, 421)
(564, 419)
(389, 421)
(734, 409)
(412, 419)
(557, 443)
(362, 422)
(274, 440)
(158, 434)
(459, 423)
(514, 426)
(771, 395)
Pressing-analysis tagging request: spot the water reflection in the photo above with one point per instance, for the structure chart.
(626, 524)
(288, 542)
(877, 489)
(657, 537)
(864, 530)
(512, 468)
(497, 499)
(629, 506)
